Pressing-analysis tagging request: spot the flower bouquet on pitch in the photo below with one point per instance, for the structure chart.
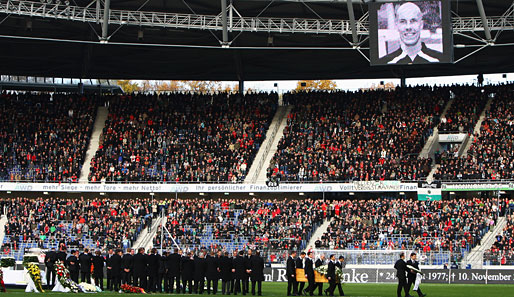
(131, 289)
(35, 275)
(89, 288)
(63, 276)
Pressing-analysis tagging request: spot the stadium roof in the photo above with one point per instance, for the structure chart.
(44, 39)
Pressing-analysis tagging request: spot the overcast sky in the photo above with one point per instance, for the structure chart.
(355, 84)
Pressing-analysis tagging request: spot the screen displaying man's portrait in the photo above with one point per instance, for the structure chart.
(409, 33)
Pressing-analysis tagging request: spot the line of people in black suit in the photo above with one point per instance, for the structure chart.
(307, 262)
(169, 272)
(407, 277)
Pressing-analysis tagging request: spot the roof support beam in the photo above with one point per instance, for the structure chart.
(224, 24)
(483, 16)
(105, 24)
(353, 25)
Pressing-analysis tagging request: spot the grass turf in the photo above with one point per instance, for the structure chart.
(363, 290)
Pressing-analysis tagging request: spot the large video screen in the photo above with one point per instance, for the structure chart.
(410, 32)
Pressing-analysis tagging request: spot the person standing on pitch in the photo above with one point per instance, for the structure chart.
(331, 276)
(320, 262)
(291, 274)
(299, 265)
(212, 273)
(98, 269)
(127, 266)
(239, 271)
(309, 273)
(108, 267)
(226, 274)
(412, 274)
(188, 271)
(257, 272)
(50, 259)
(173, 271)
(200, 270)
(115, 262)
(85, 260)
(401, 270)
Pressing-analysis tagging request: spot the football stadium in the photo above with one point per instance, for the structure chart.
(237, 147)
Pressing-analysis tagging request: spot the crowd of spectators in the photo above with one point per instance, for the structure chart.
(265, 224)
(465, 110)
(182, 137)
(44, 137)
(450, 225)
(372, 135)
(103, 223)
(491, 154)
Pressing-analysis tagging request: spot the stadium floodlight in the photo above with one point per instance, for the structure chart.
(226, 193)
(8, 192)
(152, 194)
(251, 194)
(351, 193)
(45, 193)
(202, 194)
(102, 194)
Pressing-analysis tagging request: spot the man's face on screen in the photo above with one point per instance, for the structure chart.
(409, 22)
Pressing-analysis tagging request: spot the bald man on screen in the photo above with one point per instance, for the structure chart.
(409, 23)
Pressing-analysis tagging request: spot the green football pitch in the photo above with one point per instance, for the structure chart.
(367, 290)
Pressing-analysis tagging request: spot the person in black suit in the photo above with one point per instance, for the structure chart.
(108, 266)
(140, 268)
(98, 269)
(246, 283)
(85, 260)
(153, 270)
(127, 266)
(309, 273)
(341, 264)
(162, 273)
(173, 271)
(50, 258)
(226, 274)
(331, 275)
(320, 262)
(115, 264)
(411, 274)
(212, 273)
(188, 270)
(299, 264)
(291, 274)
(257, 272)
(73, 266)
(61, 255)
(200, 270)
(401, 270)
(233, 283)
(239, 269)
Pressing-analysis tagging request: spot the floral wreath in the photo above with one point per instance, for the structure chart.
(35, 275)
(63, 275)
(125, 288)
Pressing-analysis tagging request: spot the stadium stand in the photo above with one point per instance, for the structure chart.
(182, 137)
(51, 222)
(43, 137)
(490, 156)
(465, 110)
(375, 135)
(455, 225)
(236, 224)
